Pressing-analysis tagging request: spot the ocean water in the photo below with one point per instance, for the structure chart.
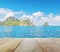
(29, 31)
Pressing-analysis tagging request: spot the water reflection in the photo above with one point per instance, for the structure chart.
(6, 31)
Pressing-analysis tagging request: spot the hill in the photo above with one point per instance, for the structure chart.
(11, 21)
(46, 24)
(26, 22)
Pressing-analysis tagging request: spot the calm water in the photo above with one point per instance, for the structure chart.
(29, 32)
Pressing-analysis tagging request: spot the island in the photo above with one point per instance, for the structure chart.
(46, 24)
(12, 21)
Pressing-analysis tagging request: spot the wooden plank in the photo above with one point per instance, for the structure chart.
(10, 46)
(29, 45)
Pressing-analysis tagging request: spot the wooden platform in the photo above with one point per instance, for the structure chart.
(29, 44)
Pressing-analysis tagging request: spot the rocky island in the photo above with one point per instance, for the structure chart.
(11, 21)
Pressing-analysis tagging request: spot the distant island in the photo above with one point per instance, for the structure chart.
(46, 24)
(11, 21)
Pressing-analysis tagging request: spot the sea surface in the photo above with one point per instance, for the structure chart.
(29, 31)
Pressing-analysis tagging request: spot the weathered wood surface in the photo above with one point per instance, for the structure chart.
(9, 45)
(30, 45)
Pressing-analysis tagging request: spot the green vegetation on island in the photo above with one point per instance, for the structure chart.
(11, 21)
(26, 22)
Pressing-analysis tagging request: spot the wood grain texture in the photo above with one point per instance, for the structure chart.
(30, 45)
(9, 45)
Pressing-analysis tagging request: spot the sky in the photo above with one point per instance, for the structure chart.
(36, 10)
(30, 6)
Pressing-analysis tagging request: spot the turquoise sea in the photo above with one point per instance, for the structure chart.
(29, 31)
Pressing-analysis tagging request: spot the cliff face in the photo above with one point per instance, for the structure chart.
(11, 21)
(26, 23)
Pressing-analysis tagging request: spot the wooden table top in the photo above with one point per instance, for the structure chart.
(29, 44)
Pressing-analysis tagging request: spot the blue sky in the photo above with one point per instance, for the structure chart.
(31, 6)
(38, 11)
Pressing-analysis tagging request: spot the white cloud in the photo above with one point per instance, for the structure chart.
(45, 19)
(19, 12)
(4, 13)
(50, 15)
(37, 18)
(41, 21)
(37, 14)
(26, 17)
(55, 21)
(9, 14)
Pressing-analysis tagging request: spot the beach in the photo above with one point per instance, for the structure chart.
(29, 44)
